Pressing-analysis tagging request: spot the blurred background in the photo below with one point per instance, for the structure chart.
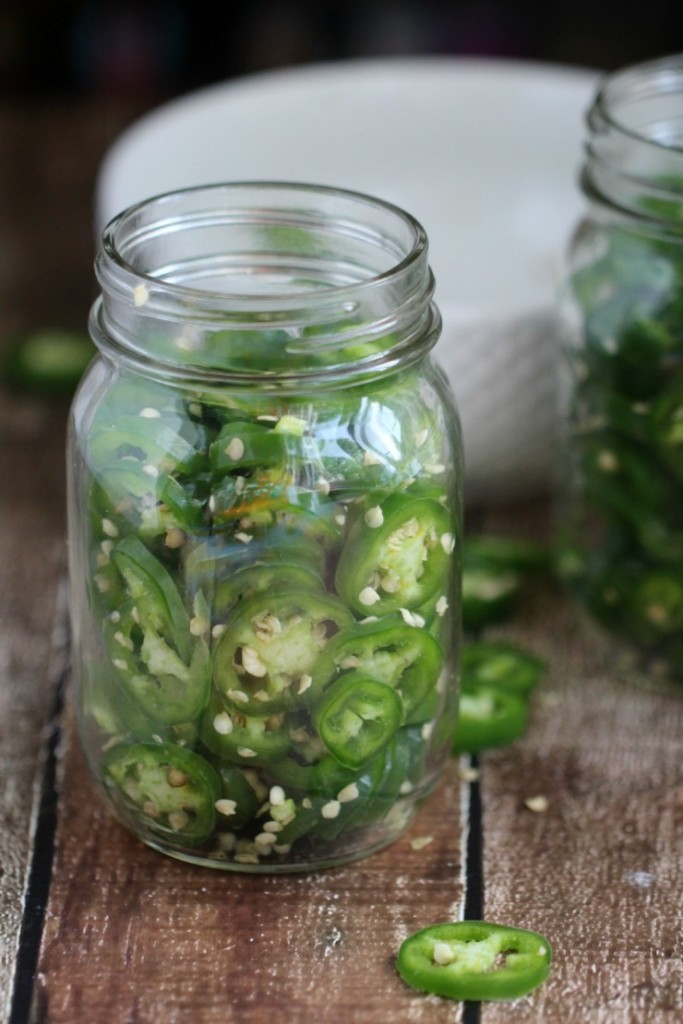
(156, 50)
(74, 74)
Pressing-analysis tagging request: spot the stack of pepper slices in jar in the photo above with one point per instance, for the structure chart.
(272, 590)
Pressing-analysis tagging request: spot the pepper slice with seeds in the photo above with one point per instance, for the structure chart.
(263, 660)
(243, 738)
(396, 554)
(165, 791)
(407, 658)
(474, 961)
(357, 718)
(164, 687)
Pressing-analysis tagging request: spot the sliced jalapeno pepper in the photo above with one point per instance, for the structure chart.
(474, 961)
(499, 666)
(516, 553)
(259, 578)
(357, 718)
(168, 792)
(494, 570)
(239, 801)
(488, 594)
(655, 606)
(149, 441)
(158, 652)
(263, 661)
(488, 718)
(388, 650)
(49, 361)
(396, 555)
(242, 738)
(151, 671)
(128, 498)
(327, 798)
(244, 445)
(155, 595)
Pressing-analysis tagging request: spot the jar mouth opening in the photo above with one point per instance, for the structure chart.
(635, 101)
(277, 223)
(270, 278)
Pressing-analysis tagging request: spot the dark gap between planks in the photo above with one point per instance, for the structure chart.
(40, 872)
(474, 873)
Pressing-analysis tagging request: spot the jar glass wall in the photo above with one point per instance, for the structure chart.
(265, 475)
(621, 492)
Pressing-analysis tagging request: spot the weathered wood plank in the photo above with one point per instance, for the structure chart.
(49, 152)
(31, 563)
(132, 935)
(600, 873)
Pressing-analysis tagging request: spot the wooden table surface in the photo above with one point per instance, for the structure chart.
(97, 929)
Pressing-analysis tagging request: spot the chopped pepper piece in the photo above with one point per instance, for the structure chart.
(357, 718)
(396, 555)
(488, 718)
(474, 961)
(167, 791)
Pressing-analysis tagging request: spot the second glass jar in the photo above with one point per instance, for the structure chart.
(265, 525)
(621, 542)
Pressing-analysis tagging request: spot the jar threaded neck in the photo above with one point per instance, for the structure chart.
(246, 279)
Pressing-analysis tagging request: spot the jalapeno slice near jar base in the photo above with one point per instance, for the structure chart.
(243, 739)
(474, 961)
(167, 792)
(499, 666)
(488, 718)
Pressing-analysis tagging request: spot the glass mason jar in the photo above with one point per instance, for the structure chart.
(621, 516)
(265, 521)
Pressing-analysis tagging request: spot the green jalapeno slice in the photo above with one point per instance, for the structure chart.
(263, 660)
(259, 578)
(357, 717)
(474, 961)
(242, 738)
(499, 666)
(150, 441)
(396, 555)
(239, 802)
(488, 717)
(48, 361)
(152, 590)
(167, 791)
(243, 445)
(150, 669)
(405, 657)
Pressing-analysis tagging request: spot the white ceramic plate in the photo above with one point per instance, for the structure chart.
(484, 152)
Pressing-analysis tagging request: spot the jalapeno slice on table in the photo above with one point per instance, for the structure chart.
(167, 791)
(474, 961)
(494, 570)
(499, 666)
(488, 717)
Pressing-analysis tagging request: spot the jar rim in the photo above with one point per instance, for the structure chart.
(111, 247)
(317, 267)
(642, 81)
